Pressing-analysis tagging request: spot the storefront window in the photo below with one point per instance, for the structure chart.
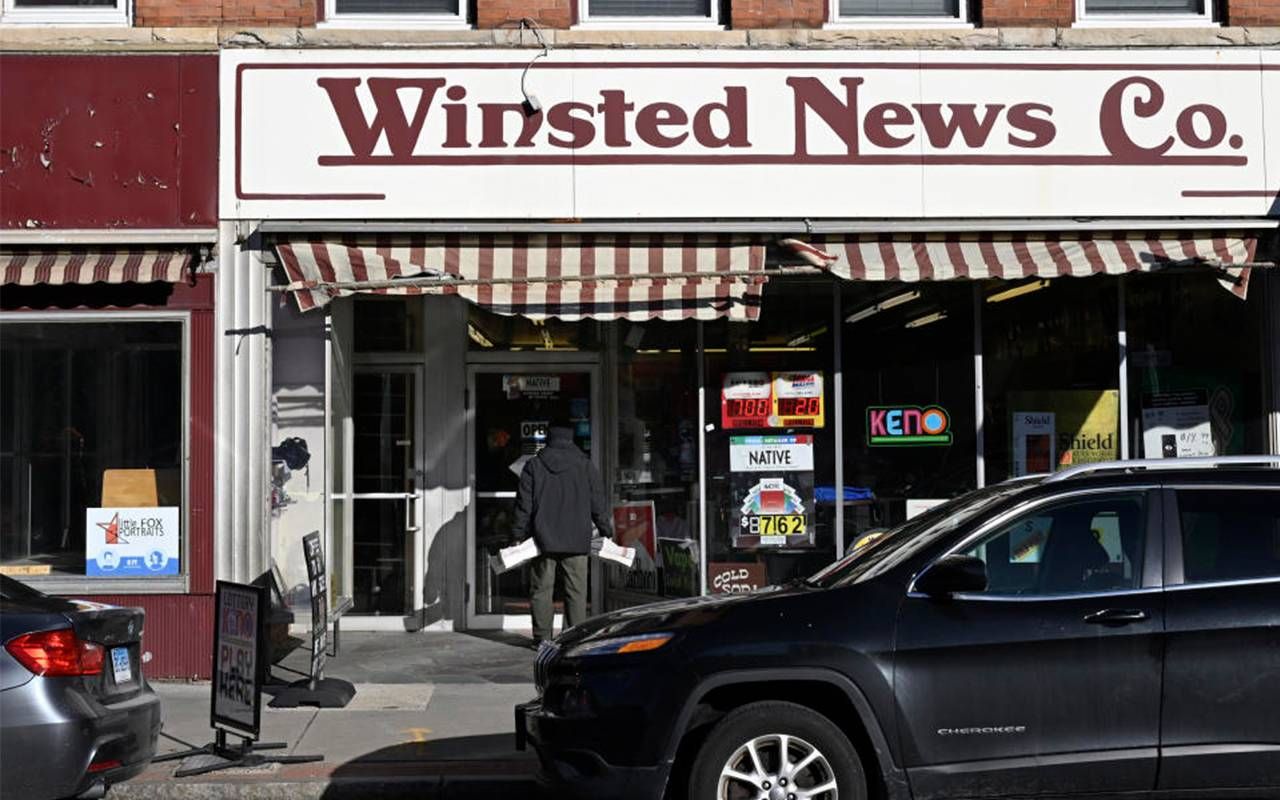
(91, 448)
(770, 440)
(908, 400)
(1194, 389)
(387, 325)
(491, 332)
(1052, 395)
(656, 462)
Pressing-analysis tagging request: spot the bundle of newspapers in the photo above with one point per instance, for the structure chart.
(511, 557)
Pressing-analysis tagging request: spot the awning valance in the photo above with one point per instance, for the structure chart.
(57, 267)
(923, 257)
(566, 276)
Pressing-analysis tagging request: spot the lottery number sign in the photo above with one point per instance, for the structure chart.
(237, 657)
(756, 400)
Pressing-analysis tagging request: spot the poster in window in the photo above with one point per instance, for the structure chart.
(635, 525)
(1086, 428)
(1177, 424)
(771, 483)
(131, 542)
(1033, 442)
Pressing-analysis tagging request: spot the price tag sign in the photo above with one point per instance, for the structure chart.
(797, 400)
(746, 400)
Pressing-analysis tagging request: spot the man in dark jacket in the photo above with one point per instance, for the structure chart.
(561, 494)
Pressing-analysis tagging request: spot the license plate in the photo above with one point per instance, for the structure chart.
(120, 665)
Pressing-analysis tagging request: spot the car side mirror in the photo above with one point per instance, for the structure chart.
(953, 574)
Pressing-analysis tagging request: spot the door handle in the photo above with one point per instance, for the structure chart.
(1116, 616)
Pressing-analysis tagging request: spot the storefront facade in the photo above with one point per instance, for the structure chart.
(787, 298)
(109, 217)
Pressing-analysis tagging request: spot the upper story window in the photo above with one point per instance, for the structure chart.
(648, 13)
(884, 13)
(66, 12)
(1144, 13)
(396, 13)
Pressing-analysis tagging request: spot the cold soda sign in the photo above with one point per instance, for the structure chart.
(908, 425)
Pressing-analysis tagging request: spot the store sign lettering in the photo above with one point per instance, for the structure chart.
(443, 120)
(1034, 133)
(908, 425)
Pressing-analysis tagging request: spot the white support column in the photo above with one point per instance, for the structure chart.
(242, 364)
(979, 410)
(1271, 352)
(224, 403)
(1122, 348)
(837, 400)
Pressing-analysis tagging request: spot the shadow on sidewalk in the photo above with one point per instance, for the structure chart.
(486, 766)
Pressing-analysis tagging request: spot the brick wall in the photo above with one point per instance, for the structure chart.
(561, 14)
(184, 13)
(1025, 13)
(1253, 12)
(777, 13)
(508, 13)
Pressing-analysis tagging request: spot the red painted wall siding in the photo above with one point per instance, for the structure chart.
(121, 141)
(178, 632)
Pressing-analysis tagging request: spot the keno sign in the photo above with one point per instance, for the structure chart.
(908, 134)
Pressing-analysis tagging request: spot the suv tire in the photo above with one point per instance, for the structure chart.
(726, 766)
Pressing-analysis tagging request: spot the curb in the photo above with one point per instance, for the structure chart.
(419, 781)
(425, 788)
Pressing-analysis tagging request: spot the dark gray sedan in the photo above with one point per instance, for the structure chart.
(76, 714)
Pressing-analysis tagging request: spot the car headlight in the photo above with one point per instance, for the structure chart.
(620, 644)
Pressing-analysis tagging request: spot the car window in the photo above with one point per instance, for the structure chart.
(1092, 544)
(1229, 534)
(901, 543)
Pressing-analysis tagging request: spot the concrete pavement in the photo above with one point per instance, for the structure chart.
(432, 718)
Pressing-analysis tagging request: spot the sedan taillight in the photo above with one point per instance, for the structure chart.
(57, 653)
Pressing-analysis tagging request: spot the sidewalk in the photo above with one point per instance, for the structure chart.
(432, 718)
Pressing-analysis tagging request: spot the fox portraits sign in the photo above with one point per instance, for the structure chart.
(907, 134)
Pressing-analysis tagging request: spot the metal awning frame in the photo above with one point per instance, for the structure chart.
(768, 227)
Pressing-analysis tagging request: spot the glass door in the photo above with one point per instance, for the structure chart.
(511, 409)
(386, 462)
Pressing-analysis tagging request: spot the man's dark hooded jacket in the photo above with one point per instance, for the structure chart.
(561, 494)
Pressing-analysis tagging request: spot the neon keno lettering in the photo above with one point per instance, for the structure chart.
(618, 122)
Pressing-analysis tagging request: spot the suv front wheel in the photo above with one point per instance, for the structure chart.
(776, 751)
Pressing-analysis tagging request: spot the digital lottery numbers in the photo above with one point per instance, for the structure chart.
(771, 400)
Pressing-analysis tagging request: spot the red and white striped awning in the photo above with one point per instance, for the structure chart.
(56, 267)
(923, 257)
(566, 276)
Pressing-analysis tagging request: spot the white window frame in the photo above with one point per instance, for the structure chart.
(1095, 20)
(837, 22)
(458, 21)
(62, 583)
(587, 22)
(119, 16)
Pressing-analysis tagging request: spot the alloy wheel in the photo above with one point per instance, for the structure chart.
(777, 767)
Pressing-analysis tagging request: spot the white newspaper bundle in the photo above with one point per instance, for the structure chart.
(511, 557)
(604, 548)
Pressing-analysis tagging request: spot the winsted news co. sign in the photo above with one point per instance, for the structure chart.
(361, 134)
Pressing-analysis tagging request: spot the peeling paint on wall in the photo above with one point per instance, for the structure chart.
(108, 141)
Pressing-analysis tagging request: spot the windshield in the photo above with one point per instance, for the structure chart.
(910, 537)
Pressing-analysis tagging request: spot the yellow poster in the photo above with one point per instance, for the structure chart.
(1086, 423)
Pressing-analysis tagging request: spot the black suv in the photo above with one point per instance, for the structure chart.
(1111, 629)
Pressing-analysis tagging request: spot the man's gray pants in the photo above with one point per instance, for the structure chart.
(573, 572)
